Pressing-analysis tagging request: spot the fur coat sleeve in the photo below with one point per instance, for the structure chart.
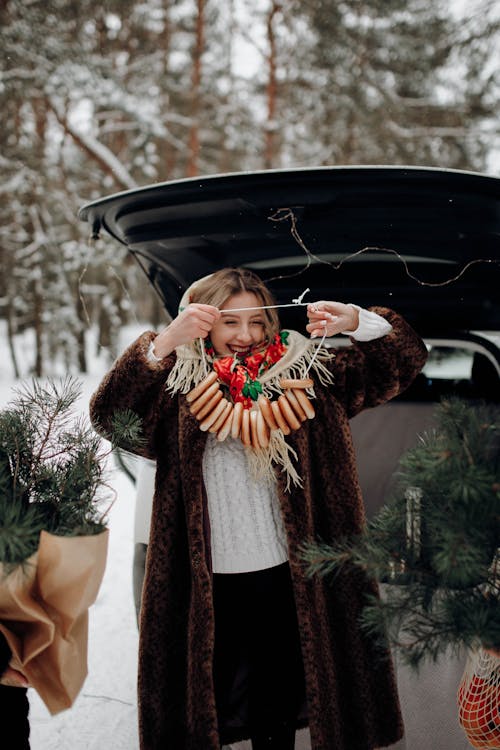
(134, 384)
(373, 372)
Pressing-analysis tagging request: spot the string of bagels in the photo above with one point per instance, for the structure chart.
(253, 426)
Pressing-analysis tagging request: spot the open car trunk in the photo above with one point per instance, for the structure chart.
(424, 241)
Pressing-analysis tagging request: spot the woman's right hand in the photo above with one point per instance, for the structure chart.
(194, 322)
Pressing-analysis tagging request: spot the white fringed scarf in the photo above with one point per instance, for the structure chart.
(191, 367)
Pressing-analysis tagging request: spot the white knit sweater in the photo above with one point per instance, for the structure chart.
(246, 528)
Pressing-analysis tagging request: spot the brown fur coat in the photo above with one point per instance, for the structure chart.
(351, 694)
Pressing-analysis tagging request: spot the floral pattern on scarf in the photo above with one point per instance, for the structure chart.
(241, 373)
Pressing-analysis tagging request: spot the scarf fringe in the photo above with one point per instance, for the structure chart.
(300, 369)
(262, 461)
(189, 370)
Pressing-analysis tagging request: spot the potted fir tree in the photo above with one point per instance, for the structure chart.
(53, 537)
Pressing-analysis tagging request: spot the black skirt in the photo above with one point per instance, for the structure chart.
(258, 670)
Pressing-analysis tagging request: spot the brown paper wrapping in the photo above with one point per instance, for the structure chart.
(44, 613)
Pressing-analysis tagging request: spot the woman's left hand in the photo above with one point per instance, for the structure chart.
(334, 316)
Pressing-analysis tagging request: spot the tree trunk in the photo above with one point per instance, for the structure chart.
(271, 90)
(38, 328)
(80, 335)
(194, 135)
(10, 338)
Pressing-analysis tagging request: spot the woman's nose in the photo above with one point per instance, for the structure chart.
(244, 334)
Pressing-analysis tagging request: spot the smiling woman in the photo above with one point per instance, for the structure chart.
(247, 468)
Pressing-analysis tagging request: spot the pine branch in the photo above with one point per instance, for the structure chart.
(435, 543)
(52, 467)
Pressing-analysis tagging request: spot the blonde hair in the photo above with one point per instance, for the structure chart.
(217, 288)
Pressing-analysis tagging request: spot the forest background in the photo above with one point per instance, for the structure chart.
(98, 97)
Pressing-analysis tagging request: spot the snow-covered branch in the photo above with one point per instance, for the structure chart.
(96, 150)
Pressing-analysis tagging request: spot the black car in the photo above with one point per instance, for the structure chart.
(425, 242)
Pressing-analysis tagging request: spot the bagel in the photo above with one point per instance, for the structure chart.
(215, 427)
(263, 431)
(203, 399)
(304, 402)
(294, 403)
(267, 412)
(288, 413)
(245, 428)
(280, 419)
(237, 417)
(253, 430)
(296, 383)
(213, 416)
(201, 387)
(226, 426)
(200, 408)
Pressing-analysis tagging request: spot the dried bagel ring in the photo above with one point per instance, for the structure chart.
(222, 418)
(237, 417)
(209, 406)
(295, 404)
(245, 428)
(226, 426)
(304, 402)
(280, 419)
(267, 412)
(263, 431)
(288, 412)
(296, 383)
(197, 406)
(201, 387)
(206, 423)
(253, 430)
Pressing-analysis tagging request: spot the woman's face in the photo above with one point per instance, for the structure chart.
(239, 332)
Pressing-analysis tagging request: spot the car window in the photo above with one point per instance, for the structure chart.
(449, 363)
(455, 370)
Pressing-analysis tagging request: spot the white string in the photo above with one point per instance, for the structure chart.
(204, 355)
(297, 302)
(316, 351)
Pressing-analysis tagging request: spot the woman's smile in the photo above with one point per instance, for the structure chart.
(240, 332)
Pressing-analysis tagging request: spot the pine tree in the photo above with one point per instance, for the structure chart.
(52, 468)
(434, 545)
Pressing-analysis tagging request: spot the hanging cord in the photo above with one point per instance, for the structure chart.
(316, 351)
(204, 355)
(287, 214)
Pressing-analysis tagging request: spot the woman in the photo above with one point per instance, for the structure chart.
(235, 641)
(14, 705)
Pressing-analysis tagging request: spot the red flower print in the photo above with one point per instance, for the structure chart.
(236, 384)
(253, 362)
(223, 368)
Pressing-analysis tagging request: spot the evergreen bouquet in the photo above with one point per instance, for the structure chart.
(435, 548)
(53, 537)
